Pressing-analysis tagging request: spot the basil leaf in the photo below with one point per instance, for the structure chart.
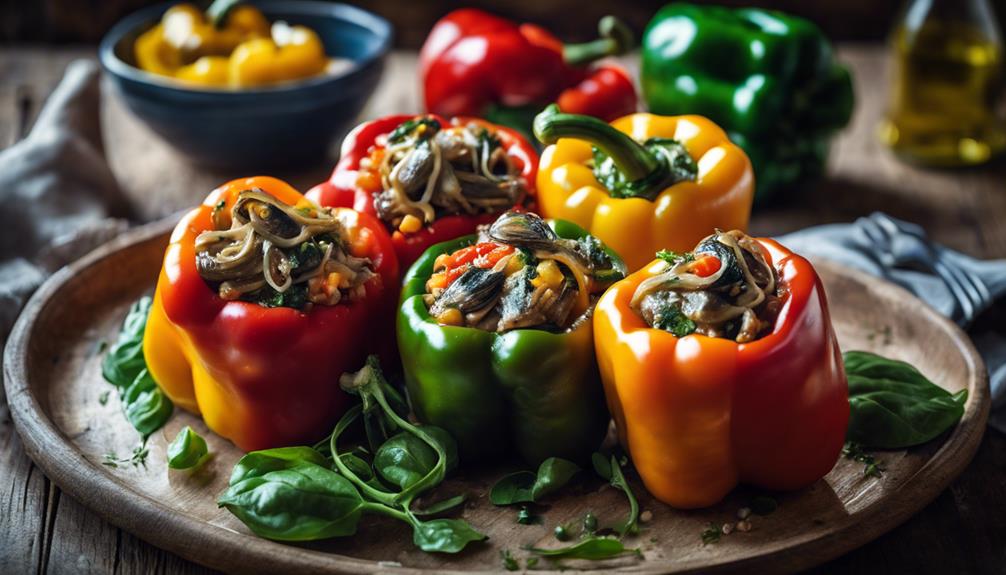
(125, 358)
(404, 459)
(187, 449)
(608, 468)
(893, 406)
(441, 506)
(527, 487)
(592, 548)
(444, 535)
(286, 494)
(146, 406)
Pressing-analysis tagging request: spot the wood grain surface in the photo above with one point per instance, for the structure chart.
(53, 370)
(963, 530)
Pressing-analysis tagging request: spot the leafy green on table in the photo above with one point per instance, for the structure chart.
(509, 562)
(310, 493)
(711, 534)
(592, 548)
(610, 469)
(528, 487)
(145, 405)
(138, 457)
(187, 450)
(894, 406)
(854, 451)
(524, 516)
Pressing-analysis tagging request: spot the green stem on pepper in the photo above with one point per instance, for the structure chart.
(218, 11)
(616, 38)
(646, 171)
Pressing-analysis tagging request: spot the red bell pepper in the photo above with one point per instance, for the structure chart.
(352, 187)
(699, 414)
(263, 376)
(474, 63)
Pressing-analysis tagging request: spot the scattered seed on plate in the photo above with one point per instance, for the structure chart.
(727, 528)
(646, 516)
(744, 526)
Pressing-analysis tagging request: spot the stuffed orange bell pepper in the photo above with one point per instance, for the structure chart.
(720, 366)
(644, 182)
(263, 302)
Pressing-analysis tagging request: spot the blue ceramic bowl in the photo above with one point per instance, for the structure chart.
(288, 125)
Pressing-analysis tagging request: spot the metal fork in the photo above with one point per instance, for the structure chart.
(901, 243)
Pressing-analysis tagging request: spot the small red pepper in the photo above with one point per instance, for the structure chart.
(351, 187)
(473, 63)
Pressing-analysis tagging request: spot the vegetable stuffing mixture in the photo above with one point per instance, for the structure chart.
(426, 170)
(277, 255)
(519, 274)
(725, 288)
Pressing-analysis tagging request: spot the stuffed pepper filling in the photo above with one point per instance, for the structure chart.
(424, 170)
(278, 255)
(519, 274)
(725, 288)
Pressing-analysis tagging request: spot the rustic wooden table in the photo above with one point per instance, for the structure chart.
(962, 531)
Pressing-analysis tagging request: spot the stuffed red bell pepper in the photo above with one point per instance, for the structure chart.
(263, 302)
(478, 64)
(721, 366)
(430, 179)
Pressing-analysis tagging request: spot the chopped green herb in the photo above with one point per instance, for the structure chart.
(711, 534)
(138, 457)
(524, 516)
(409, 126)
(531, 562)
(561, 533)
(589, 522)
(509, 562)
(854, 451)
(103, 397)
(670, 318)
(674, 257)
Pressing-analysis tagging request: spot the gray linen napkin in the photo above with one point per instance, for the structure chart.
(58, 196)
(901, 253)
(59, 199)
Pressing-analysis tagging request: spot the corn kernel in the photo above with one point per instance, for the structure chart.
(548, 275)
(410, 224)
(450, 317)
(514, 264)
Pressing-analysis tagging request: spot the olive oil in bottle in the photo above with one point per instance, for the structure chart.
(946, 105)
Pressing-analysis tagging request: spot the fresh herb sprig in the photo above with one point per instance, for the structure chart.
(301, 494)
(854, 451)
(610, 469)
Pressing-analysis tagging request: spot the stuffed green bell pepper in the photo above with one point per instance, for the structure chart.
(769, 79)
(496, 337)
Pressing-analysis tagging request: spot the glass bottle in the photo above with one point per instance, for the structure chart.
(946, 101)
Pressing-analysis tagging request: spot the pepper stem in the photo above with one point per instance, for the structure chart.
(633, 160)
(218, 11)
(616, 38)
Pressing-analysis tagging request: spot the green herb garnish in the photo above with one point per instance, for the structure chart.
(187, 450)
(611, 470)
(528, 487)
(711, 534)
(893, 406)
(592, 548)
(509, 563)
(854, 451)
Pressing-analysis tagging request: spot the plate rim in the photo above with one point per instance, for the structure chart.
(119, 504)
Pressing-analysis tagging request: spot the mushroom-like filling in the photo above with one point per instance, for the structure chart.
(519, 274)
(724, 288)
(426, 170)
(277, 255)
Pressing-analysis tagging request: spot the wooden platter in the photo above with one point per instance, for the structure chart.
(55, 392)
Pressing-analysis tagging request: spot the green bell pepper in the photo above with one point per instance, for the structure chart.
(527, 391)
(769, 79)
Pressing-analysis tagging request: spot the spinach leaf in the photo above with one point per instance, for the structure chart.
(405, 458)
(187, 449)
(592, 548)
(287, 494)
(893, 406)
(145, 405)
(528, 487)
(125, 358)
(444, 535)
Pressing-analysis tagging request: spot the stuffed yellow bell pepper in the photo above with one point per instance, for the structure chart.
(228, 46)
(644, 183)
